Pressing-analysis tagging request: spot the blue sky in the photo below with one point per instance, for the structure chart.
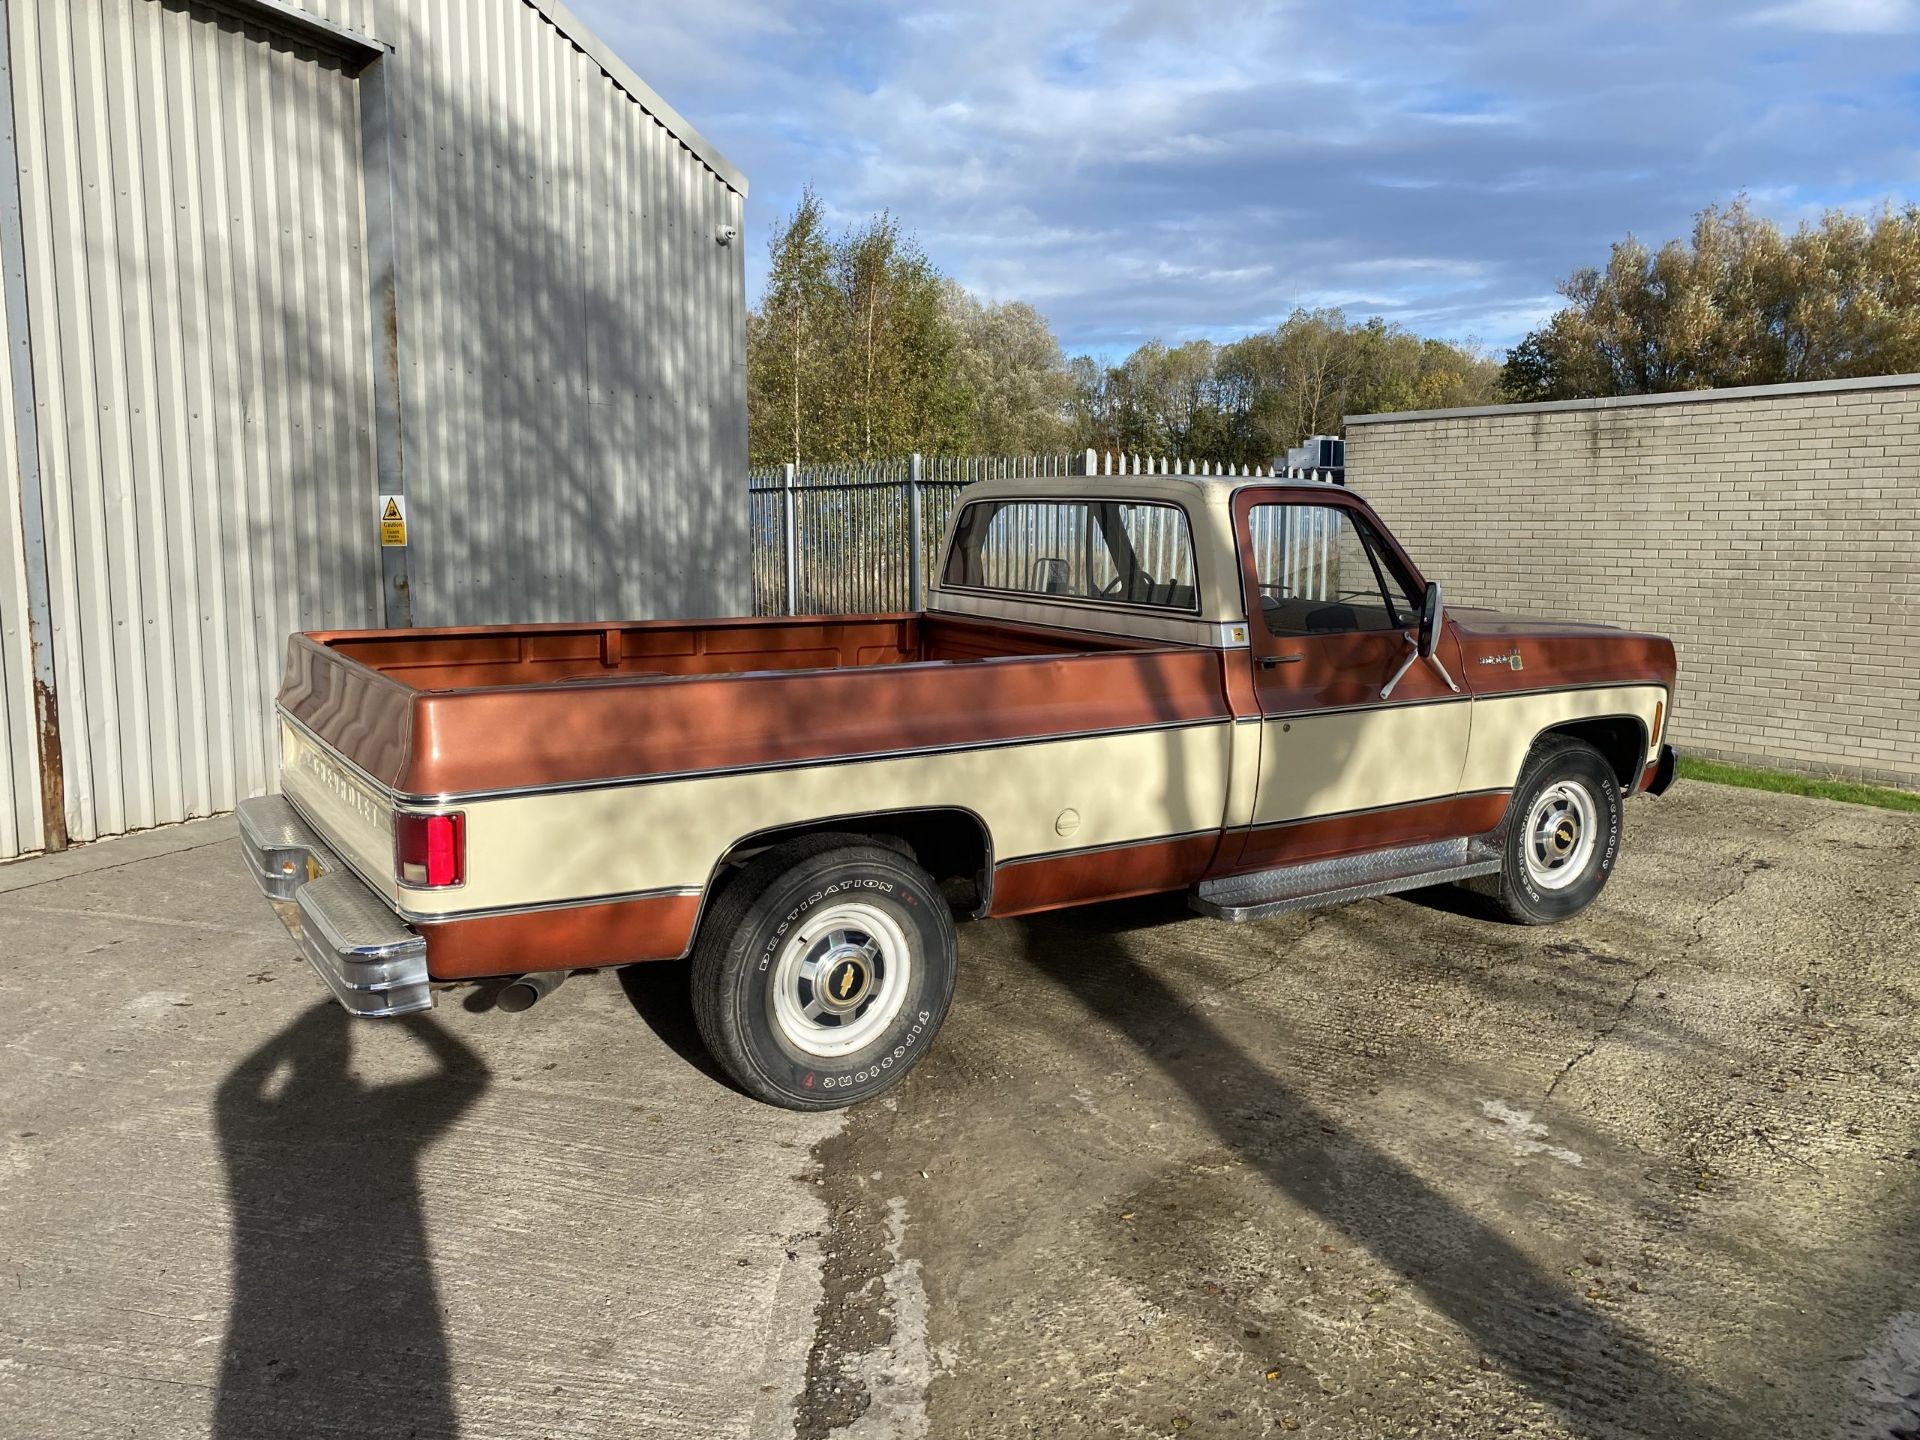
(1178, 170)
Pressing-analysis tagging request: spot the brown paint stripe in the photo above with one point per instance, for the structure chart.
(1326, 837)
(1021, 887)
(581, 937)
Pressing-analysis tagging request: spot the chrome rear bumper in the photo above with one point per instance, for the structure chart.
(370, 959)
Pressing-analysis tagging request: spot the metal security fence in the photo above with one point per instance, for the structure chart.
(857, 537)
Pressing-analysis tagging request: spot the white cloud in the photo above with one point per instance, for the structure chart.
(1845, 17)
(1143, 167)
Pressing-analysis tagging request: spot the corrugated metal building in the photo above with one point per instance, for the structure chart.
(268, 264)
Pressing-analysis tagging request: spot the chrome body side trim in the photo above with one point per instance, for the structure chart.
(1072, 851)
(445, 799)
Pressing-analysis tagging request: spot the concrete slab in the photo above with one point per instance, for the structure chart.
(231, 1209)
(1385, 1170)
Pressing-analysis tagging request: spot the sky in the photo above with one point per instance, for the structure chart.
(1160, 170)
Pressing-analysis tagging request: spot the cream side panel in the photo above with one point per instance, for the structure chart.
(538, 849)
(1359, 759)
(352, 817)
(1504, 726)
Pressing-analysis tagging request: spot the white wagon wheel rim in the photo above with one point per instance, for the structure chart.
(1560, 834)
(841, 979)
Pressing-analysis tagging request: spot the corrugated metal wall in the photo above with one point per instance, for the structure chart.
(191, 196)
(19, 752)
(573, 335)
(571, 358)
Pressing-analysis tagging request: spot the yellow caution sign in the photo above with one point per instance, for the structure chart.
(393, 520)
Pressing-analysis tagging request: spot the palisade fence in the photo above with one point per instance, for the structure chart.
(856, 537)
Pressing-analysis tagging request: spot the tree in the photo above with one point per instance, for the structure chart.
(1249, 402)
(898, 352)
(1018, 388)
(859, 349)
(1740, 303)
(789, 382)
(852, 353)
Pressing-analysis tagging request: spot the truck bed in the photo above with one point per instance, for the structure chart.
(493, 656)
(444, 712)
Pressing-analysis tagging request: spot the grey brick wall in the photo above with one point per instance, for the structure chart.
(1774, 533)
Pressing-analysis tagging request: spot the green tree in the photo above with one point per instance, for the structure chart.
(1249, 402)
(1019, 392)
(898, 353)
(851, 353)
(1739, 303)
(790, 394)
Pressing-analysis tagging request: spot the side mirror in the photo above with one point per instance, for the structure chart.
(1426, 641)
(1433, 613)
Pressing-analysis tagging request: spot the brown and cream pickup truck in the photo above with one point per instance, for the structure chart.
(1242, 689)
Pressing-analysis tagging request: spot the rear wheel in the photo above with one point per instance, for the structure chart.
(824, 972)
(1563, 833)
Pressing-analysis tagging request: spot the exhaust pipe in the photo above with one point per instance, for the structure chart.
(528, 990)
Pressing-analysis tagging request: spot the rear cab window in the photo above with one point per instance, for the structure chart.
(1103, 551)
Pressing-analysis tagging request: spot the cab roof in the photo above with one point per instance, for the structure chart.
(1209, 490)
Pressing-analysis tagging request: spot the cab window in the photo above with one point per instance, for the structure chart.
(1099, 550)
(1323, 571)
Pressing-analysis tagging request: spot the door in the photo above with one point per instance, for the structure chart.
(1333, 611)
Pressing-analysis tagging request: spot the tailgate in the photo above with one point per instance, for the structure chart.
(345, 731)
(353, 816)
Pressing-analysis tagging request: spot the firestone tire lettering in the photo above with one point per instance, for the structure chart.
(1554, 758)
(748, 930)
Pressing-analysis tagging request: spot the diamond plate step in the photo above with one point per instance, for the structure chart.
(1349, 877)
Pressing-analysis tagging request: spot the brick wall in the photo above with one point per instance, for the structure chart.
(1773, 532)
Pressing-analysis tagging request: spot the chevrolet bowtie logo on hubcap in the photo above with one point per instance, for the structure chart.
(846, 982)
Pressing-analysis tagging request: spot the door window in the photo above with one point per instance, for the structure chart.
(1323, 571)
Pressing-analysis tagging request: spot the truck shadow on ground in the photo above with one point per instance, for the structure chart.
(661, 993)
(336, 1323)
(1600, 1379)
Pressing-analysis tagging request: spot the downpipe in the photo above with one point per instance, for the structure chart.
(528, 991)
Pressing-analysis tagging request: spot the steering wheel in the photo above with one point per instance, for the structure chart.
(1118, 584)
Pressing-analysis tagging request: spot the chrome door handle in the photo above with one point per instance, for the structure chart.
(1269, 662)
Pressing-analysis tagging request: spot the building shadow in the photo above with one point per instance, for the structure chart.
(336, 1326)
(1600, 1378)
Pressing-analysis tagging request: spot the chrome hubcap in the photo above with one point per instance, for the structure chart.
(1560, 834)
(841, 979)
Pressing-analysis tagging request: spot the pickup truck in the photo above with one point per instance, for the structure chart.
(1242, 689)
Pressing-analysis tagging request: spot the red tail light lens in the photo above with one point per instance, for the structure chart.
(430, 850)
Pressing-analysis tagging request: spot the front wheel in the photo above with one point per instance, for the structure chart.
(1563, 833)
(823, 972)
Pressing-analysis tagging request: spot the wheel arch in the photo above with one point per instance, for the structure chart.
(1622, 741)
(949, 842)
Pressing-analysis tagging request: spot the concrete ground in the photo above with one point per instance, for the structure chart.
(1384, 1170)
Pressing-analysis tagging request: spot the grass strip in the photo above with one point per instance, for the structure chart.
(1851, 792)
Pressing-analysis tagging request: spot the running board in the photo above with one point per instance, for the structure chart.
(1349, 877)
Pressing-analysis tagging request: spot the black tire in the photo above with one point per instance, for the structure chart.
(1523, 894)
(741, 957)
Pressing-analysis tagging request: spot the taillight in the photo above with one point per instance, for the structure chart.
(430, 850)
